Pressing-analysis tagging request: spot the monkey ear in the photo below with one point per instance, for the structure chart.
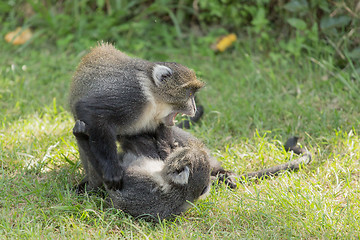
(160, 73)
(181, 176)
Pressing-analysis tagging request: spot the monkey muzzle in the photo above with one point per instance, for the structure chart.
(189, 109)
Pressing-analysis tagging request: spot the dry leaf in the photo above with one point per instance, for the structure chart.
(19, 36)
(224, 42)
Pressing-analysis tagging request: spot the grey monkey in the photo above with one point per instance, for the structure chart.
(116, 96)
(159, 180)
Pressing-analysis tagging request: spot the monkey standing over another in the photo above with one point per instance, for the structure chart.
(117, 96)
(159, 185)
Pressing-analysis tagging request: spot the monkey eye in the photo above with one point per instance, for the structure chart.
(190, 92)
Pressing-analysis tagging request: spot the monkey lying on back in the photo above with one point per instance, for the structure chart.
(159, 181)
(116, 96)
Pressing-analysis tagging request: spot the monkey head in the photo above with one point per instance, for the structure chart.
(175, 85)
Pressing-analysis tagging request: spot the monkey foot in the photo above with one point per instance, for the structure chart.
(80, 130)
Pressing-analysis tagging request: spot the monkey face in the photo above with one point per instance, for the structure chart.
(176, 86)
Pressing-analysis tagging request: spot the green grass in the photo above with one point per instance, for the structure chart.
(253, 103)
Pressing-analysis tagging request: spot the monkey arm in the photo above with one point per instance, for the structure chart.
(165, 141)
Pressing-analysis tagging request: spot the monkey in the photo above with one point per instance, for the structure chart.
(117, 95)
(159, 186)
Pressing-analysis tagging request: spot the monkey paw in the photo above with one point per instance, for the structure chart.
(113, 178)
(80, 130)
(228, 178)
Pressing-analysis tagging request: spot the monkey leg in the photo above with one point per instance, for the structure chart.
(92, 180)
(102, 142)
(100, 154)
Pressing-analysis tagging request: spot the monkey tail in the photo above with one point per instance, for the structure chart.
(290, 145)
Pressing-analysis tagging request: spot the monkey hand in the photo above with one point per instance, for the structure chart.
(112, 178)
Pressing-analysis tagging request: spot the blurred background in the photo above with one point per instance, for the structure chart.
(273, 60)
(286, 28)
